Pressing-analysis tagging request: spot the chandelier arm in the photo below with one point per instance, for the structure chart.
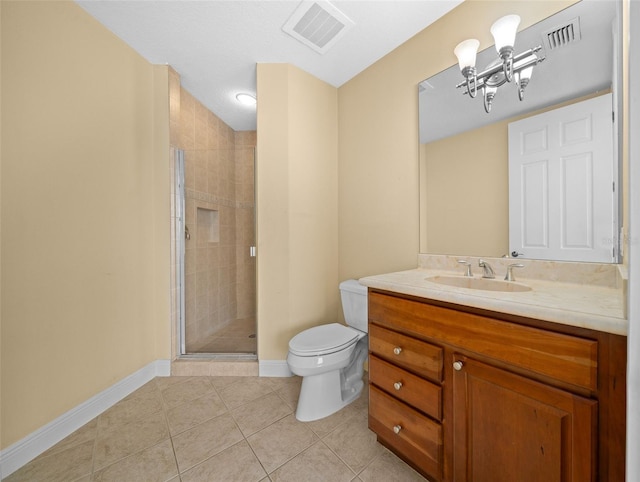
(482, 76)
(485, 74)
(479, 84)
(527, 53)
(490, 71)
(507, 68)
(535, 60)
(487, 101)
(472, 92)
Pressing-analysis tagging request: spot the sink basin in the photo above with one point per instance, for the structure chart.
(479, 283)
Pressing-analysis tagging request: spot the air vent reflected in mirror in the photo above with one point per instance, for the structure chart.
(562, 35)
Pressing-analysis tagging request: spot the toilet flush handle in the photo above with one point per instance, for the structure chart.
(397, 350)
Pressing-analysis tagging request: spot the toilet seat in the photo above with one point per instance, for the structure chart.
(323, 340)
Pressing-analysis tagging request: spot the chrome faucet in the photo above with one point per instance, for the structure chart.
(487, 269)
(509, 275)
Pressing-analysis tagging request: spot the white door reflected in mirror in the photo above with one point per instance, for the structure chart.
(561, 183)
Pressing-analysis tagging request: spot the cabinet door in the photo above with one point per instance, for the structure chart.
(510, 428)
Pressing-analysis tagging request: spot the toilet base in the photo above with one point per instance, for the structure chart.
(321, 396)
(324, 394)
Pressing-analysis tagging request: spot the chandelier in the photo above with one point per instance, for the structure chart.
(505, 69)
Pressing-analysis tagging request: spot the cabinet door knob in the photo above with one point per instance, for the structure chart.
(397, 428)
(397, 385)
(397, 350)
(457, 365)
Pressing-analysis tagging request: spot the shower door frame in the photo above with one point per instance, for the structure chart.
(180, 235)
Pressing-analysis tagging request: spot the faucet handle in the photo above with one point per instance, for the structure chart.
(468, 265)
(509, 275)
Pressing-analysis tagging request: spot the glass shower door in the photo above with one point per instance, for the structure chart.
(218, 266)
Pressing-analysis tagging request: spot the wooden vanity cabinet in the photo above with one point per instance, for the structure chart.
(469, 395)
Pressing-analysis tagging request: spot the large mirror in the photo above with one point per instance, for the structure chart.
(464, 151)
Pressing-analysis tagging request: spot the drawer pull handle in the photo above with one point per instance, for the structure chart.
(457, 365)
(397, 428)
(397, 350)
(397, 385)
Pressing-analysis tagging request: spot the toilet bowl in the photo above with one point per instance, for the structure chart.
(330, 358)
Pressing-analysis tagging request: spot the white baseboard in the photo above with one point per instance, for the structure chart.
(274, 368)
(27, 449)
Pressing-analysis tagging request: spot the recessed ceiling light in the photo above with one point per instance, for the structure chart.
(246, 99)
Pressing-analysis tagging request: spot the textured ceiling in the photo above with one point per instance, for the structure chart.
(215, 44)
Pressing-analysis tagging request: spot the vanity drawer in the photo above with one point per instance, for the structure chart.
(408, 432)
(411, 389)
(414, 355)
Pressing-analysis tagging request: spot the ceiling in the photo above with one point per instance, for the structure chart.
(215, 44)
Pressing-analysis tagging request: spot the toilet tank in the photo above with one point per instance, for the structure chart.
(354, 304)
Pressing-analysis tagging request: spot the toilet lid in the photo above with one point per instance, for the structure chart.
(322, 340)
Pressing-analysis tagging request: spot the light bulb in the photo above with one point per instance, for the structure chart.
(466, 52)
(504, 31)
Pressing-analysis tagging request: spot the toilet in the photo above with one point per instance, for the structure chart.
(330, 358)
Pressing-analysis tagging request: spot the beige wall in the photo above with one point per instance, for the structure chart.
(378, 151)
(467, 196)
(85, 202)
(297, 199)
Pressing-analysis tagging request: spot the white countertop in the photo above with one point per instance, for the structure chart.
(597, 307)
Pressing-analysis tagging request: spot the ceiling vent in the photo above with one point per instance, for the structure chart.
(317, 24)
(563, 35)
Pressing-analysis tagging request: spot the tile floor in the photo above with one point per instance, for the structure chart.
(229, 429)
(239, 336)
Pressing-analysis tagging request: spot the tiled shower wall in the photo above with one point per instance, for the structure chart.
(219, 191)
